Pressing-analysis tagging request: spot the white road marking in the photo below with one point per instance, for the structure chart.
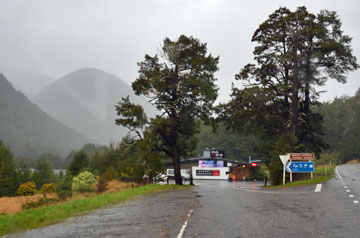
(337, 173)
(181, 233)
(345, 186)
(348, 191)
(318, 188)
(356, 201)
(247, 189)
(351, 196)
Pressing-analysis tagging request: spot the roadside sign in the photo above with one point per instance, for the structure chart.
(217, 153)
(300, 167)
(301, 156)
(284, 158)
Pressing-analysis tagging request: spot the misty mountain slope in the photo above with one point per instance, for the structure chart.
(85, 101)
(29, 83)
(28, 130)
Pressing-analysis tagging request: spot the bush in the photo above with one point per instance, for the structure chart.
(83, 182)
(110, 174)
(101, 185)
(39, 203)
(64, 194)
(64, 187)
(48, 188)
(26, 189)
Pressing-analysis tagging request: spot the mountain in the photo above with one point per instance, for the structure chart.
(29, 83)
(85, 101)
(28, 130)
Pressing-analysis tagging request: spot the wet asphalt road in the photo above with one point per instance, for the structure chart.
(246, 210)
(223, 209)
(151, 215)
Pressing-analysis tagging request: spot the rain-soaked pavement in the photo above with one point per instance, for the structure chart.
(225, 209)
(158, 214)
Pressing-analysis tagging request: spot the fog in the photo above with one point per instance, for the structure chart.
(53, 38)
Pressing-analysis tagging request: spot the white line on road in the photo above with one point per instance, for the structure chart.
(351, 196)
(348, 191)
(181, 233)
(356, 201)
(337, 173)
(259, 191)
(345, 186)
(318, 188)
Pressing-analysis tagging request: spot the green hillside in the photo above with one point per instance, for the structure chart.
(28, 130)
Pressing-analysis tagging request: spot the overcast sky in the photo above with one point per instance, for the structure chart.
(56, 37)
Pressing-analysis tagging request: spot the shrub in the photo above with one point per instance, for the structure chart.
(110, 174)
(39, 203)
(25, 189)
(101, 185)
(64, 187)
(48, 188)
(64, 194)
(83, 182)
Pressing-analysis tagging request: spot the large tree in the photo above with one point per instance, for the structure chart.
(8, 179)
(179, 82)
(295, 52)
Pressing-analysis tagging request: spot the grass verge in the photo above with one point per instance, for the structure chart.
(321, 175)
(34, 218)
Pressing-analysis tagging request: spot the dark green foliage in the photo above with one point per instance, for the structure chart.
(283, 146)
(341, 122)
(133, 116)
(237, 146)
(180, 84)
(44, 173)
(56, 161)
(8, 178)
(79, 162)
(64, 187)
(110, 174)
(91, 149)
(295, 52)
(23, 172)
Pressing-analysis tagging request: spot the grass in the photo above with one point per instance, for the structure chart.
(321, 174)
(34, 218)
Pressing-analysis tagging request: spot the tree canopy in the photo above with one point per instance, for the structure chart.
(296, 51)
(179, 82)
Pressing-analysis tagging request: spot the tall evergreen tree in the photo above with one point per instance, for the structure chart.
(79, 162)
(296, 51)
(179, 82)
(8, 179)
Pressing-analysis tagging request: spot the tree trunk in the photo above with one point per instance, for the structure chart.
(295, 89)
(177, 168)
(308, 75)
(175, 121)
(307, 110)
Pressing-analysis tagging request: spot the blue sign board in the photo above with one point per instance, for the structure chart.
(300, 167)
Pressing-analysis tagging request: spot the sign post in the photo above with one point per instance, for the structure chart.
(306, 166)
(284, 159)
(299, 167)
